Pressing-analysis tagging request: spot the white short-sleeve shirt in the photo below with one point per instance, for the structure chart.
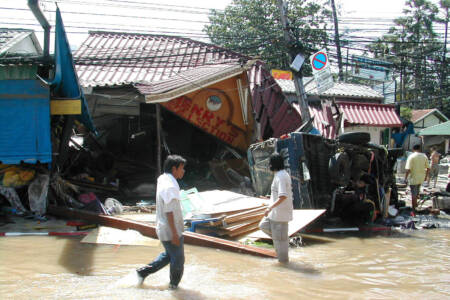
(168, 200)
(281, 186)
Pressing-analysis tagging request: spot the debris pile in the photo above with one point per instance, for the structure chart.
(222, 213)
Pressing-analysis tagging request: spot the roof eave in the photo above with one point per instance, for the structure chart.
(193, 86)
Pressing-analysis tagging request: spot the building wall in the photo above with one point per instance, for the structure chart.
(427, 122)
(375, 132)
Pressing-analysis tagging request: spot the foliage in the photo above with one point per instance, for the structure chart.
(406, 112)
(253, 27)
(417, 53)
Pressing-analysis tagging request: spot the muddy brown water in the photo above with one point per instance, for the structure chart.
(407, 265)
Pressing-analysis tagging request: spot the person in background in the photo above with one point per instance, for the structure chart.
(434, 166)
(279, 212)
(418, 168)
(169, 223)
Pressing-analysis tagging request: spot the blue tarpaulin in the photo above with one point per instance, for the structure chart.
(24, 122)
(65, 83)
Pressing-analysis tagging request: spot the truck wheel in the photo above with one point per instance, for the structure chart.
(355, 138)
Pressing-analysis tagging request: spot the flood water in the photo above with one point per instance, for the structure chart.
(407, 265)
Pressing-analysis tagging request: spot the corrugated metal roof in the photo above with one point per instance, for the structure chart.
(188, 81)
(380, 115)
(114, 58)
(338, 90)
(419, 114)
(10, 37)
(439, 129)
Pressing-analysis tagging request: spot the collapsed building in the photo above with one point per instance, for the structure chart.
(153, 95)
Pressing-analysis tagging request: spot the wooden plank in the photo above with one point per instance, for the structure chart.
(191, 238)
(256, 217)
(231, 212)
(252, 227)
(239, 216)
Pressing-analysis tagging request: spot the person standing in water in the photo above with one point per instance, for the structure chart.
(279, 212)
(169, 223)
(417, 169)
(434, 166)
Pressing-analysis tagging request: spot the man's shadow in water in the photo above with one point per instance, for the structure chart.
(77, 257)
(180, 293)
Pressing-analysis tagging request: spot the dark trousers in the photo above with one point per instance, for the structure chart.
(173, 255)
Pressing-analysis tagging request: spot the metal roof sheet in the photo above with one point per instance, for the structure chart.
(370, 114)
(419, 114)
(439, 129)
(114, 58)
(338, 90)
(188, 81)
(10, 37)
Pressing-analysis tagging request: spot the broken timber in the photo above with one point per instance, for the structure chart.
(191, 238)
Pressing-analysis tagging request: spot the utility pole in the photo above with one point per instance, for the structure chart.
(443, 67)
(298, 81)
(337, 41)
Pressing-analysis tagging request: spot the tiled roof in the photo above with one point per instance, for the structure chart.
(419, 114)
(113, 58)
(347, 90)
(10, 37)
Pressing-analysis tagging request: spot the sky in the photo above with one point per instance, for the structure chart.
(177, 17)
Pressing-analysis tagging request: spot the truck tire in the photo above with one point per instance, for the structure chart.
(339, 169)
(355, 138)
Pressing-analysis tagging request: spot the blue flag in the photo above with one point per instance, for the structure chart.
(65, 84)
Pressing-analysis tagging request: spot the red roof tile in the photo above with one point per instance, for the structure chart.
(418, 114)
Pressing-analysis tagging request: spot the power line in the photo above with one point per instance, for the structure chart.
(113, 15)
(182, 9)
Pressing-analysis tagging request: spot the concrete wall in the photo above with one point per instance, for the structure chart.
(375, 132)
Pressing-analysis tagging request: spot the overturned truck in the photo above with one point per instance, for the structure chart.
(350, 177)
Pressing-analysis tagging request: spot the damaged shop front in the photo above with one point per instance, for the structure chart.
(40, 100)
(155, 95)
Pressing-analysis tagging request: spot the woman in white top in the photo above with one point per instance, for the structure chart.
(279, 212)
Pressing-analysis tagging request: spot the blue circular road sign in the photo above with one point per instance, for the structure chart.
(319, 61)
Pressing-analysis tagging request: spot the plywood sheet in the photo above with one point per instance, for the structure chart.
(301, 219)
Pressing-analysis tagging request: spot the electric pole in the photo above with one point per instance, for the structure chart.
(298, 81)
(444, 65)
(337, 41)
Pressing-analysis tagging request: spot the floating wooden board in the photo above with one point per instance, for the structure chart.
(113, 236)
(301, 219)
(191, 238)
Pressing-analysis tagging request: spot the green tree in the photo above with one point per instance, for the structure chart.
(417, 53)
(406, 112)
(253, 27)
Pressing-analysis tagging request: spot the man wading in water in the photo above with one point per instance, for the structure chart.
(169, 223)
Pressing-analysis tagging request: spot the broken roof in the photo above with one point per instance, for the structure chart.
(344, 90)
(115, 58)
(12, 37)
